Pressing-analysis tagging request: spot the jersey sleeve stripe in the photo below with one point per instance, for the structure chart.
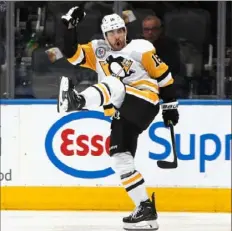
(77, 57)
(90, 58)
(166, 81)
(163, 76)
(171, 81)
(84, 56)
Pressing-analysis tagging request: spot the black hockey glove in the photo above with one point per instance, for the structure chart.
(170, 113)
(73, 17)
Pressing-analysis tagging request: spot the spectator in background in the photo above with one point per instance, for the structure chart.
(167, 48)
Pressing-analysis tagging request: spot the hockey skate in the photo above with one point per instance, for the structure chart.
(143, 218)
(68, 98)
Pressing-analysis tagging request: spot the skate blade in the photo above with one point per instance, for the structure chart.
(62, 105)
(142, 226)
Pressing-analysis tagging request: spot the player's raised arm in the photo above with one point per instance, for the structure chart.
(76, 54)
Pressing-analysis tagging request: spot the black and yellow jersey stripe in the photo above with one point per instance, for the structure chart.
(84, 56)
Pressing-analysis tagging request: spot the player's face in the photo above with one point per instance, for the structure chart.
(117, 38)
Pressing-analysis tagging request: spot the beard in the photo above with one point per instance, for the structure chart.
(118, 45)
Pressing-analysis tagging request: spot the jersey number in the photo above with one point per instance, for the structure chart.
(157, 60)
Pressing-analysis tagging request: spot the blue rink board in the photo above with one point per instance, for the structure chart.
(188, 102)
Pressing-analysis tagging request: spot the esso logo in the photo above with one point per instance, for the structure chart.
(94, 145)
(78, 144)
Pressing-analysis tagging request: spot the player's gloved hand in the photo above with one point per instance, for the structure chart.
(170, 113)
(73, 17)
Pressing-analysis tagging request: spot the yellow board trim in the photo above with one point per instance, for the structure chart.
(113, 199)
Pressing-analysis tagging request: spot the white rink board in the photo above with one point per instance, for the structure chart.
(26, 148)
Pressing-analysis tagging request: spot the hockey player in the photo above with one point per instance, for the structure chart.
(131, 81)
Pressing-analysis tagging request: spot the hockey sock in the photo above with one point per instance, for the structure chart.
(135, 187)
(96, 95)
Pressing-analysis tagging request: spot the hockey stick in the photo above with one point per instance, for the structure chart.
(173, 164)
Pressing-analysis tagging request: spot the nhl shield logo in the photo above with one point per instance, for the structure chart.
(100, 52)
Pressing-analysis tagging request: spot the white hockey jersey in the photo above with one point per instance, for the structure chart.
(137, 65)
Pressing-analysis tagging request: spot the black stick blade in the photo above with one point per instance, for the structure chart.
(167, 165)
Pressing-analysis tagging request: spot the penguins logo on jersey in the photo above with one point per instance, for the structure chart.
(119, 67)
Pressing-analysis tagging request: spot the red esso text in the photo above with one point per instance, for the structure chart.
(95, 145)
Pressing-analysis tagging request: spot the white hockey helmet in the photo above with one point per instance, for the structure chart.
(112, 22)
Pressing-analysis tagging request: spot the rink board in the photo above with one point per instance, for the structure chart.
(60, 162)
(113, 199)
